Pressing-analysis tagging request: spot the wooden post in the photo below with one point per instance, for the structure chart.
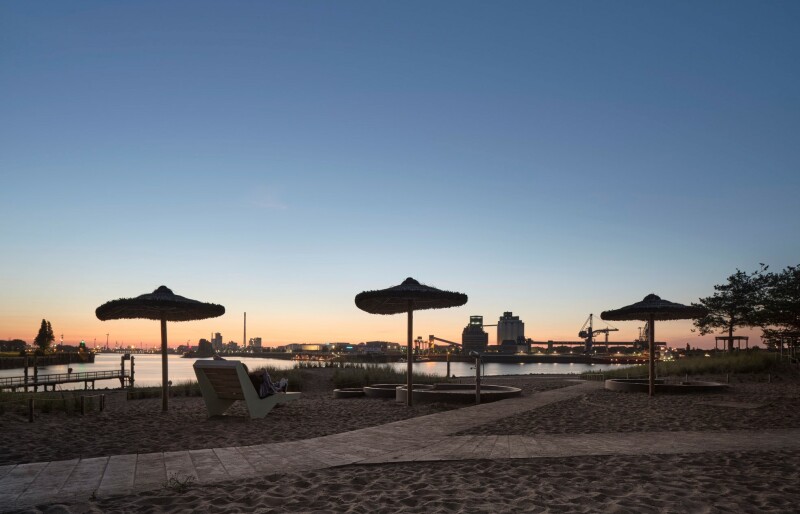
(448, 364)
(30, 410)
(478, 380)
(35, 373)
(130, 382)
(164, 373)
(410, 355)
(651, 336)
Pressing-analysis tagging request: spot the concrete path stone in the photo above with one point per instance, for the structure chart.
(209, 469)
(119, 476)
(179, 465)
(4, 470)
(17, 481)
(52, 478)
(151, 472)
(235, 462)
(41, 483)
(86, 476)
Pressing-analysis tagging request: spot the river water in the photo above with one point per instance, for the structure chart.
(148, 368)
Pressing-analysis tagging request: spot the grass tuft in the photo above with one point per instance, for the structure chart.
(177, 484)
(361, 375)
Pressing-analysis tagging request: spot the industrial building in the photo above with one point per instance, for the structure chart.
(510, 328)
(216, 342)
(474, 338)
(511, 334)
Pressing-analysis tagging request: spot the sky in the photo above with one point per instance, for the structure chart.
(553, 159)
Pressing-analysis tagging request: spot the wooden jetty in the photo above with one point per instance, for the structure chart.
(125, 378)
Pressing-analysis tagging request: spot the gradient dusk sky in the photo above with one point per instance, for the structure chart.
(553, 159)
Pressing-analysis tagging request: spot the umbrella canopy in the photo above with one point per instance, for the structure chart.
(408, 297)
(163, 305)
(160, 303)
(653, 305)
(394, 300)
(652, 308)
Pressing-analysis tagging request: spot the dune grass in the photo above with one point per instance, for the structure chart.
(344, 375)
(742, 363)
(184, 388)
(360, 375)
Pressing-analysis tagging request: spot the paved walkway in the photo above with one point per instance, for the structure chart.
(78, 479)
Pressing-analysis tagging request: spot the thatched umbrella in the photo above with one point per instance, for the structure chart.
(162, 304)
(650, 309)
(408, 297)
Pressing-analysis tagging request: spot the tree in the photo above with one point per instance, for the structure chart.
(781, 312)
(738, 303)
(13, 345)
(45, 337)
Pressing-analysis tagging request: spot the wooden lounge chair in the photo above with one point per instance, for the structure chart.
(224, 382)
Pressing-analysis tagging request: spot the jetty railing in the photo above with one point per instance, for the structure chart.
(54, 379)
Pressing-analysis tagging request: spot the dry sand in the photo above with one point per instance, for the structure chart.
(714, 483)
(724, 482)
(745, 406)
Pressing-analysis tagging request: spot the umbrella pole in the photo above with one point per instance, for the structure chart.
(410, 354)
(651, 336)
(164, 374)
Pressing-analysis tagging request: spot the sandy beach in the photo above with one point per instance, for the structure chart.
(139, 426)
(705, 482)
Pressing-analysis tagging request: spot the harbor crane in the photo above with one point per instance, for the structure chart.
(588, 332)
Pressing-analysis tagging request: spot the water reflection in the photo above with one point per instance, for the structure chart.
(148, 368)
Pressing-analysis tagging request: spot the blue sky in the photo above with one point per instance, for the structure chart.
(549, 158)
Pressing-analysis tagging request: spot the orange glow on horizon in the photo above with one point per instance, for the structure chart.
(146, 334)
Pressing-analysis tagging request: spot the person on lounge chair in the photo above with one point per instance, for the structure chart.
(268, 387)
(263, 383)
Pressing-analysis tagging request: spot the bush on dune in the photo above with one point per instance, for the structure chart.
(752, 362)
